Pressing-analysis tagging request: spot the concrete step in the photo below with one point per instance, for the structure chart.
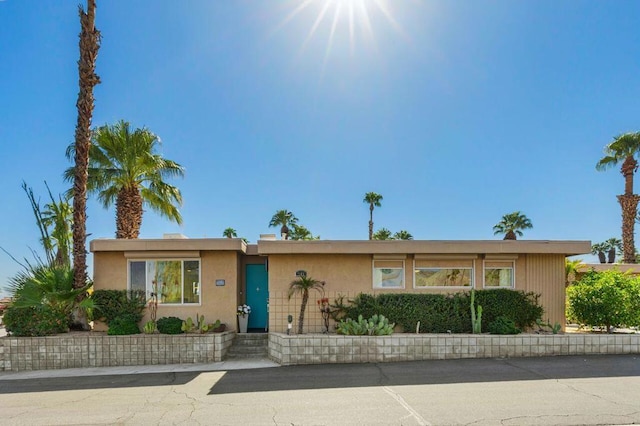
(249, 345)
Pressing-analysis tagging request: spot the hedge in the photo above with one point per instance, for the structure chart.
(440, 313)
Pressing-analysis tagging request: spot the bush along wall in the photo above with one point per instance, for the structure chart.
(440, 313)
(605, 299)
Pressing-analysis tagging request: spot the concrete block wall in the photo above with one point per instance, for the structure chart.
(328, 349)
(100, 350)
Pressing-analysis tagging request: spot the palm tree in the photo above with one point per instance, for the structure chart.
(373, 199)
(284, 219)
(302, 285)
(382, 234)
(624, 149)
(58, 215)
(571, 270)
(402, 235)
(511, 225)
(89, 45)
(613, 246)
(125, 170)
(302, 233)
(230, 233)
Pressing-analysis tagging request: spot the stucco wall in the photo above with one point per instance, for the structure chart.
(217, 302)
(351, 274)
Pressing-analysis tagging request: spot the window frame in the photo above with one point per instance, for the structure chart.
(182, 261)
(505, 261)
(402, 274)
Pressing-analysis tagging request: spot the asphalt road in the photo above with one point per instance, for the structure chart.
(520, 391)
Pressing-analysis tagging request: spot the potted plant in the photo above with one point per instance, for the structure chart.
(243, 312)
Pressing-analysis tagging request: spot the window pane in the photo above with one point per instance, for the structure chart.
(498, 277)
(388, 277)
(191, 281)
(441, 277)
(137, 276)
(168, 276)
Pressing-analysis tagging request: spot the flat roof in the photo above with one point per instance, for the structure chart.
(168, 244)
(267, 247)
(567, 248)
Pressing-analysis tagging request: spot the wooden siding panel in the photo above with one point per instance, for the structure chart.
(545, 276)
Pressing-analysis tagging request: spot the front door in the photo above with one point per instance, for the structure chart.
(258, 296)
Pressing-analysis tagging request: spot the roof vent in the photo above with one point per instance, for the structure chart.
(268, 237)
(177, 236)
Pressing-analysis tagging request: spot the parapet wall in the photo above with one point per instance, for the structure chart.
(332, 349)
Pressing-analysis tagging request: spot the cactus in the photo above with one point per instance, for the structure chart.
(476, 316)
(199, 326)
(149, 327)
(377, 325)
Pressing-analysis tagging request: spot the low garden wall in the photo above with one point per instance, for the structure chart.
(331, 349)
(101, 350)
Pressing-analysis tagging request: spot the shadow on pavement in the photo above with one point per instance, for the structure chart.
(425, 373)
(96, 382)
(328, 376)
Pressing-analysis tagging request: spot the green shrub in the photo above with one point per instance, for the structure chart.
(123, 325)
(523, 308)
(111, 304)
(503, 325)
(605, 299)
(439, 313)
(169, 325)
(35, 321)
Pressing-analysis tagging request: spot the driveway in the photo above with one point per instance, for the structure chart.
(522, 391)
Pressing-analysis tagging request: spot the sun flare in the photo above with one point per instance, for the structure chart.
(349, 21)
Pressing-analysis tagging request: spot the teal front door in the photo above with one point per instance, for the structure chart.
(258, 296)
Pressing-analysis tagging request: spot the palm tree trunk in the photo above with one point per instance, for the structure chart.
(510, 236)
(128, 213)
(629, 204)
(628, 168)
(303, 307)
(89, 45)
(371, 222)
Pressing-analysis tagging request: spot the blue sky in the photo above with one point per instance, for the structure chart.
(457, 112)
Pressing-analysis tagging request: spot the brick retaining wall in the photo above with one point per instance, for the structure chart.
(101, 350)
(329, 349)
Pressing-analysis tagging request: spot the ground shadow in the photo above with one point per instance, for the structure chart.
(425, 373)
(96, 382)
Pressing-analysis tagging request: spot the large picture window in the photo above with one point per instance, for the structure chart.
(443, 273)
(498, 274)
(388, 274)
(175, 281)
(444, 277)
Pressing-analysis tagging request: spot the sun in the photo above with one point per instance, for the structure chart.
(352, 19)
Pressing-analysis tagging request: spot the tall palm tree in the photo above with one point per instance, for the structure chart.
(624, 149)
(87, 80)
(284, 219)
(300, 232)
(511, 225)
(373, 199)
(125, 170)
(302, 285)
(382, 234)
(402, 235)
(230, 233)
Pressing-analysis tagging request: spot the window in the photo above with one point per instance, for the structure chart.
(499, 274)
(175, 281)
(388, 274)
(444, 277)
(443, 273)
